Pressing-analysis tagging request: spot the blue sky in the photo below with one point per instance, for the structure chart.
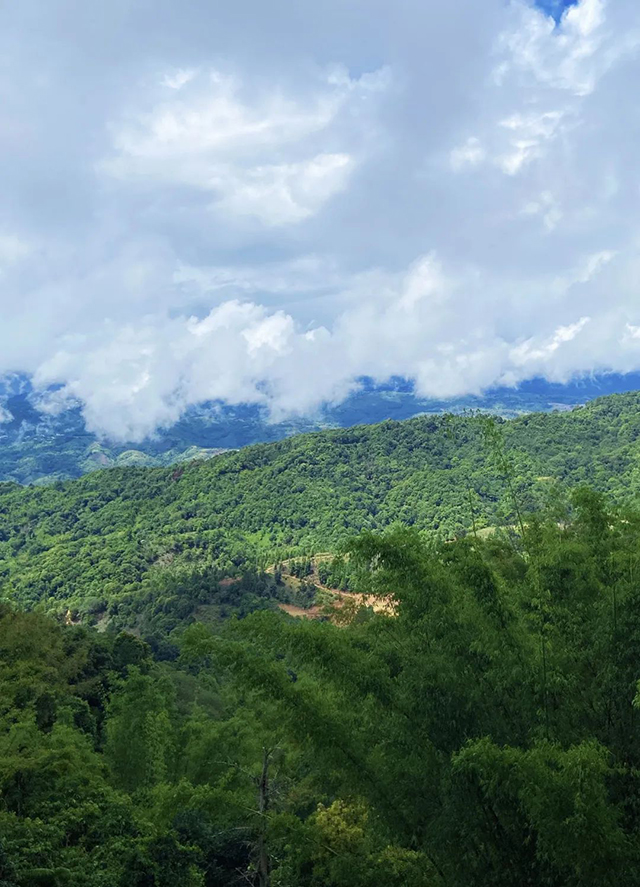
(261, 202)
(555, 7)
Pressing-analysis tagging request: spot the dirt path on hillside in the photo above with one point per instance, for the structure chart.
(339, 598)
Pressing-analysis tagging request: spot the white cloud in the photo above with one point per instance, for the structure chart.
(179, 78)
(546, 206)
(425, 323)
(537, 353)
(286, 193)
(633, 332)
(455, 201)
(257, 155)
(571, 57)
(471, 153)
(528, 135)
(307, 276)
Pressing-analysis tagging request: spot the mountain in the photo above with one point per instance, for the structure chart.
(127, 541)
(476, 726)
(38, 445)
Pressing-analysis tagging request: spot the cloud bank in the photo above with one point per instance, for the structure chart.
(259, 203)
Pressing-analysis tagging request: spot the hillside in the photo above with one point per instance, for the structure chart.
(108, 541)
(483, 731)
(43, 438)
(487, 687)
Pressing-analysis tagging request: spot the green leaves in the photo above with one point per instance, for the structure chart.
(139, 740)
(557, 798)
(129, 545)
(485, 720)
(479, 730)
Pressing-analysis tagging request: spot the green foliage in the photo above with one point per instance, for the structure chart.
(139, 742)
(480, 729)
(150, 547)
(136, 774)
(488, 724)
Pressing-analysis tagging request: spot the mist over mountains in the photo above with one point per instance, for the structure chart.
(42, 440)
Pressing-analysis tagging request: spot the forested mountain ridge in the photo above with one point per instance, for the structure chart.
(114, 538)
(43, 437)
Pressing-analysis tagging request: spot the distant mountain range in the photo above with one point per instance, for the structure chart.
(40, 447)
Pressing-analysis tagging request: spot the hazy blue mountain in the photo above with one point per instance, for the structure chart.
(38, 447)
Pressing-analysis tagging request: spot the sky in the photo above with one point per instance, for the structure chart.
(261, 202)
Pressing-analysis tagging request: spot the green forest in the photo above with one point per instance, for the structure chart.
(484, 731)
(163, 723)
(38, 447)
(118, 541)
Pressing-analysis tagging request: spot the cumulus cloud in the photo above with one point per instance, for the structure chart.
(450, 195)
(257, 156)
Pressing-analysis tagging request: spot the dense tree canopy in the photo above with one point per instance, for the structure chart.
(482, 730)
(481, 727)
(103, 543)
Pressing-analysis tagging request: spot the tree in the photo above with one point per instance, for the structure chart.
(139, 732)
